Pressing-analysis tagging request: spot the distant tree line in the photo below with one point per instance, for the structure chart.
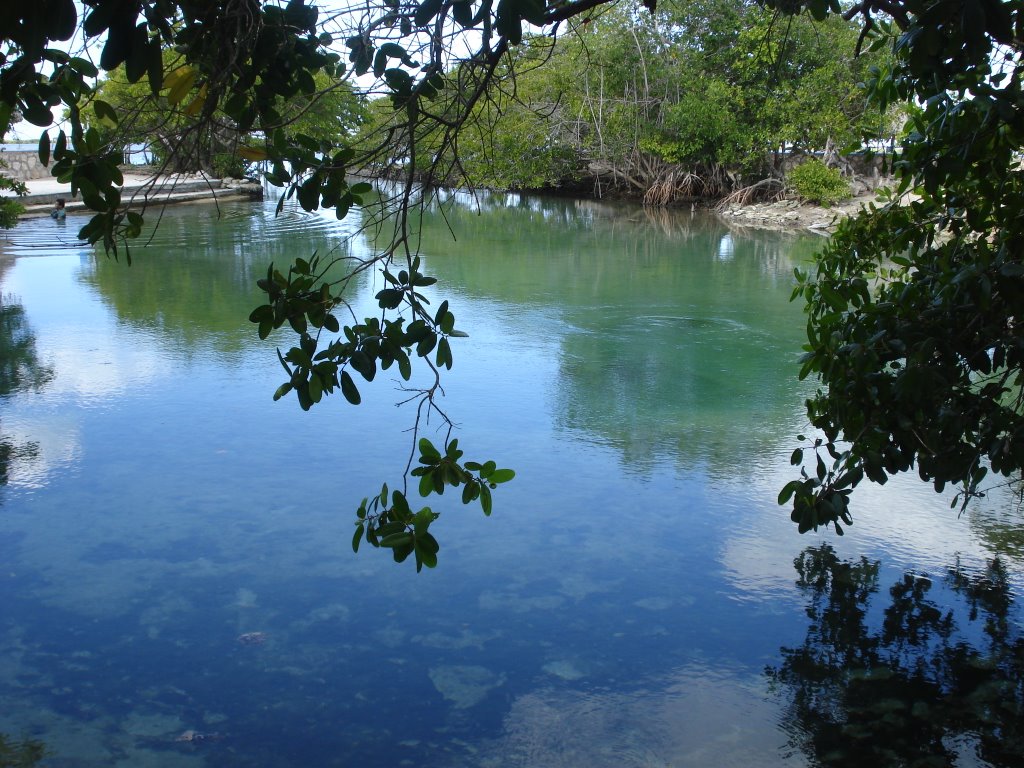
(699, 99)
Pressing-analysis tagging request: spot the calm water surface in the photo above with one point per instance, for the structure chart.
(631, 602)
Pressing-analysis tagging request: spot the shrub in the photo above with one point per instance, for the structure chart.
(229, 166)
(10, 209)
(815, 182)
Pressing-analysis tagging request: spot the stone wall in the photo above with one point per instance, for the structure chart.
(23, 166)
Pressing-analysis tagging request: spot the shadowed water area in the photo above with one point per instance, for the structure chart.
(178, 587)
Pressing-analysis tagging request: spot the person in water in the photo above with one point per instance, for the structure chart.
(58, 211)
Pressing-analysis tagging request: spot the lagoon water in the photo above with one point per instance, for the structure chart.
(632, 601)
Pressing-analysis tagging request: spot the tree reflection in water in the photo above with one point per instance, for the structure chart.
(934, 676)
(20, 370)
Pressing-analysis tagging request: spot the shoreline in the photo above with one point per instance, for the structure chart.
(140, 190)
(794, 215)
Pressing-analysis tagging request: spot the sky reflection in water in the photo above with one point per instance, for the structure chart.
(619, 608)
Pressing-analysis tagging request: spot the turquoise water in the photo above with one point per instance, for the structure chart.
(631, 602)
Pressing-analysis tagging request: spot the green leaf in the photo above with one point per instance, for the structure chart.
(255, 154)
(427, 10)
(316, 388)
(180, 82)
(508, 21)
(83, 67)
(380, 62)
(155, 66)
(424, 554)
(501, 475)
(36, 112)
(106, 114)
(44, 148)
(462, 12)
(396, 539)
(426, 345)
(6, 112)
(61, 19)
(426, 486)
(404, 366)
(428, 451)
(136, 55)
(308, 193)
(389, 298)
(442, 310)
(533, 11)
(348, 389)
(117, 46)
(362, 363)
(444, 354)
(819, 9)
(787, 491)
(394, 51)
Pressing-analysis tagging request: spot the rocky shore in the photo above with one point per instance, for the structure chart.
(792, 214)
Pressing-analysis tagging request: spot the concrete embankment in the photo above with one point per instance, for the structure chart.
(142, 190)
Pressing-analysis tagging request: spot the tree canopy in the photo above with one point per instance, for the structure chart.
(912, 309)
(691, 100)
(913, 306)
(167, 129)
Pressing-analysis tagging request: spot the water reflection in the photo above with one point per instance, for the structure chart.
(617, 610)
(663, 349)
(927, 673)
(696, 716)
(20, 370)
(20, 367)
(1001, 525)
(666, 348)
(194, 282)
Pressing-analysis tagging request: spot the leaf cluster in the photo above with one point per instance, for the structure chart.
(913, 307)
(388, 521)
(305, 299)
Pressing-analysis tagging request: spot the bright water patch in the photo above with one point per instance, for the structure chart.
(176, 576)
